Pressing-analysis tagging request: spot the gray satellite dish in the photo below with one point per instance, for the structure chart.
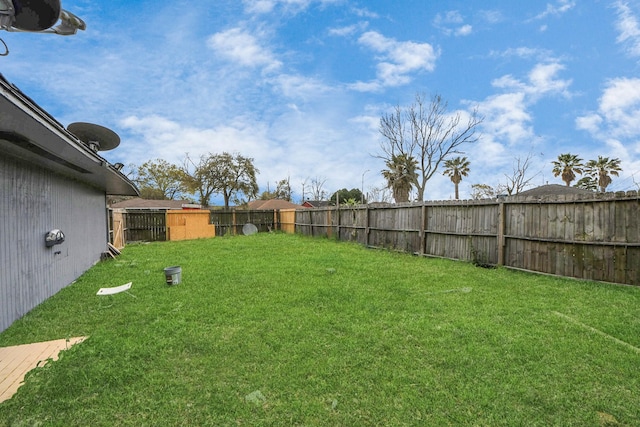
(248, 229)
(98, 138)
(36, 15)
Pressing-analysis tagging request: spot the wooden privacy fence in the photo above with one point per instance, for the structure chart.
(231, 222)
(133, 225)
(128, 225)
(594, 238)
(145, 226)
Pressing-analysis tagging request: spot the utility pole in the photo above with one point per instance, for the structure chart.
(362, 189)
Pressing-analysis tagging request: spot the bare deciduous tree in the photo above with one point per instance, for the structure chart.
(482, 191)
(317, 190)
(518, 179)
(379, 194)
(428, 133)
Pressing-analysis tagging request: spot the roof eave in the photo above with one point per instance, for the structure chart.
(27, 132)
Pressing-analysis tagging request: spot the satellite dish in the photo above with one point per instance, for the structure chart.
(99, 138)
(248, 229)
(36, 15)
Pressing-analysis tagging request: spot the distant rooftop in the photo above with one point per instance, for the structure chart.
(553, 190)
(138, 203)
(316, 203)
(272, 204)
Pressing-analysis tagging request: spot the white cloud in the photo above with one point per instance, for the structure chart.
(591, 123)
(348, 30)
(507, 116)
(452, 23)
(397, 60)
(628, 28)
(543, 79)
(365, 13)
(523, 52)
(559, 8)
(158, 135)
(260, 7)
(618, 114)
(616, 124)
(465, 30)
(449, 17)
(300, 87)
(243, 48)
(491, 16)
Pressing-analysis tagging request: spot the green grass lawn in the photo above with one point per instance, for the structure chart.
(283, 330)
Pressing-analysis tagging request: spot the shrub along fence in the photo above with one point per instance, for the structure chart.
(595, 237)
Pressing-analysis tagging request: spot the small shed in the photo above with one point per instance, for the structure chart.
(53, 191)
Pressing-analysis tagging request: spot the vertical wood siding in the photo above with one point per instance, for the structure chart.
(32, 202)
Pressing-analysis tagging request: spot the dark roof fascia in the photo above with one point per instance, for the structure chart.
(29, 133)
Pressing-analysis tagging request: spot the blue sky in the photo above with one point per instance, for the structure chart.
(300, 85)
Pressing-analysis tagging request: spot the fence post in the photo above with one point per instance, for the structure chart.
(233, 222)
(366, 225)
(338, 218)
(423, 228)
(501, 224)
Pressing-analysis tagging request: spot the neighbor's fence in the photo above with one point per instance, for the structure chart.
(128, 225)
(131, 225)
(595, 238)
(145, 226)
(231, 222)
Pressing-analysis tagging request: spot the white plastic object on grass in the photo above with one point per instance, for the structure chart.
(115, 290)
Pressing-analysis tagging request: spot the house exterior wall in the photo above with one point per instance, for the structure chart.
(32, 202)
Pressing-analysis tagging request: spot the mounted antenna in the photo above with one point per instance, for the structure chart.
(98, 138)
(38, 16)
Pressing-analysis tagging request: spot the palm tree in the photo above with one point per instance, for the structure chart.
(587, 183)
(456, 169)
(401, 176)
(567, 166)
(602, 169)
